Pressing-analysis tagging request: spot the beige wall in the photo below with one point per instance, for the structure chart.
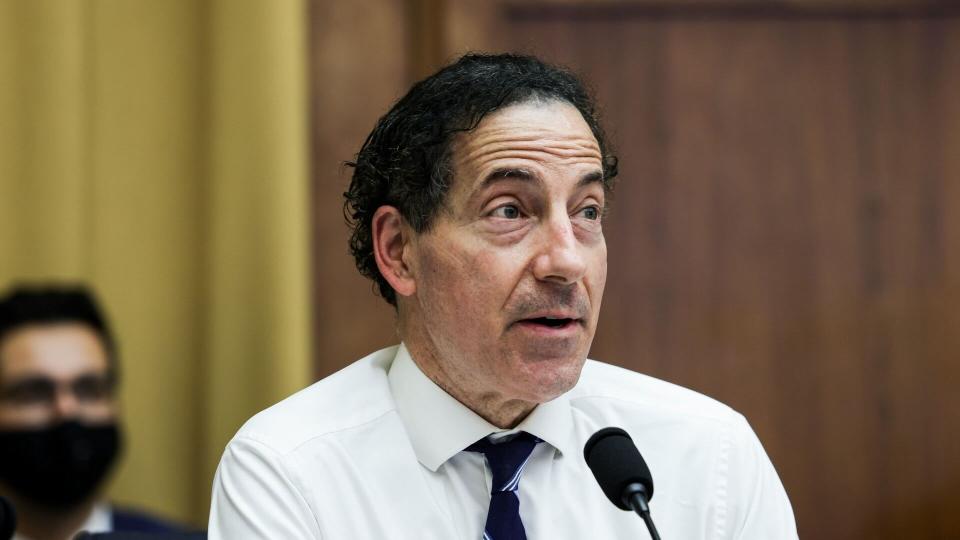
(157, 151)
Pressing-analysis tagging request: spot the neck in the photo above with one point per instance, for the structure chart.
(489, 405)
(492, 407)
(41, 523)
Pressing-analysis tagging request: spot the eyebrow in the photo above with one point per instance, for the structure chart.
(516, 173)
(30, 377)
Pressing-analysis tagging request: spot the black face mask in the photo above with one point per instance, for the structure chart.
(59, 466)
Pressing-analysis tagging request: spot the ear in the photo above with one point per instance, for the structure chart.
(391, 238)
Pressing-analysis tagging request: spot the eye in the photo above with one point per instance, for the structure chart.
(91, 388)
(506, 211)
(591, 212)
(30, 392)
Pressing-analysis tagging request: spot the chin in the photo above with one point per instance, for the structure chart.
(553, 379)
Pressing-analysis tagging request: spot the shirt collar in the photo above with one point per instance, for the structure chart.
(99, 520)
(439, 426)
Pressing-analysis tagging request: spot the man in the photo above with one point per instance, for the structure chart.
(477, 206)
(59, 435)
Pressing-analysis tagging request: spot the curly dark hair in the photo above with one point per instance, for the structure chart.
(405, 161)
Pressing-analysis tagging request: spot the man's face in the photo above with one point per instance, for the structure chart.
(54, 372)
(510, 276)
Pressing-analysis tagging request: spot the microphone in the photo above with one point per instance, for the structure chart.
(8, 519)
(621, 472)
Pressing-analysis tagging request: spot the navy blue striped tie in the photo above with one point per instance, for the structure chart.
(506, 461)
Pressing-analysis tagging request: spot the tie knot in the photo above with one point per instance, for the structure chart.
(506, 458)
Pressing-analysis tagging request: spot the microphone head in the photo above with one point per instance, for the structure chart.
(8, 519)
(616, 463)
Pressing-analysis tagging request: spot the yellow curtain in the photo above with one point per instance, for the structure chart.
(157, 150)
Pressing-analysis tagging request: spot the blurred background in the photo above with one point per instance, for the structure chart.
(785, 236)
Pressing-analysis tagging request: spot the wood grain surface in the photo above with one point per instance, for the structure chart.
(786, 232)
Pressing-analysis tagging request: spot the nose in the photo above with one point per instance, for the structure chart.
(65, 404)
(560, 258)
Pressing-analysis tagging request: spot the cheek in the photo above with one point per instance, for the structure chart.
(26, 417)
(600, 279)
(448, 287)
(464, 280)
(21, 417)
(596, 257)
(99, 412)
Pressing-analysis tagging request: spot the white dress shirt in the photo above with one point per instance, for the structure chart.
(375, 451)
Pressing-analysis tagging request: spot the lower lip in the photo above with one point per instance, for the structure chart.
(566, 330)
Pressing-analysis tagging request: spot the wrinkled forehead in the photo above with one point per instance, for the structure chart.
(549, 134)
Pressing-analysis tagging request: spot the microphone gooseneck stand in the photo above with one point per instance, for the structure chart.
(635, 495)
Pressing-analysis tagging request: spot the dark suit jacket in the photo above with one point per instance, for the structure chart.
(131, 524)
(129, 520)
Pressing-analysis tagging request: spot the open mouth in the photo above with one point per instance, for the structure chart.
(550, 322)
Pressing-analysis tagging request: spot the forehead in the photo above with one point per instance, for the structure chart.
(59, 351)
(543, 135)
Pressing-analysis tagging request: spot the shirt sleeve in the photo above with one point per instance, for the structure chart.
(760, 503)
(254, 498)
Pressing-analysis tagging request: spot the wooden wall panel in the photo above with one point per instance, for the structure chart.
(784, 237)
(359, 67)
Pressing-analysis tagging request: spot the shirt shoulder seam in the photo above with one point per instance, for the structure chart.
(256, 435)
(730, 417)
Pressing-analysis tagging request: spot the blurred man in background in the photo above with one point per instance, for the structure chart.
(59, 430)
